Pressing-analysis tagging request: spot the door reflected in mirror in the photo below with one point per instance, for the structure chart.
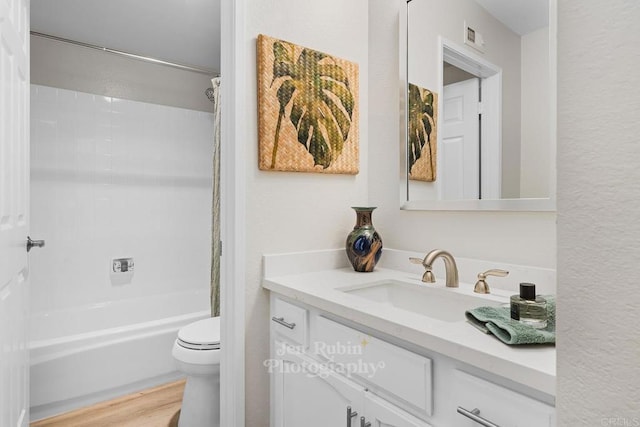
(489, 67)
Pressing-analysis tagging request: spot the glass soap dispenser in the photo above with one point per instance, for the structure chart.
(529, 308)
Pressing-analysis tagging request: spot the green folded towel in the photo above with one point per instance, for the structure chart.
(497, 320)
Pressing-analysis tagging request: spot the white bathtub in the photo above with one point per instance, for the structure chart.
(84, 355)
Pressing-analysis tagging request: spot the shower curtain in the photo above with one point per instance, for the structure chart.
(216, 249)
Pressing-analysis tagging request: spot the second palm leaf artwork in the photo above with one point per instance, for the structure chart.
(307, 109)
(422, 133)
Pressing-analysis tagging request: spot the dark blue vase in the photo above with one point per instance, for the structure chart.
(364, 245)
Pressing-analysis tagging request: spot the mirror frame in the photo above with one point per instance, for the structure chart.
(518, 205)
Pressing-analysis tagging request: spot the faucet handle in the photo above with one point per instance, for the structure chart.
(493, 272)
(482, 287)
(428, 276)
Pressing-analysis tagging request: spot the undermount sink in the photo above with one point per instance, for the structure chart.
(445, 304)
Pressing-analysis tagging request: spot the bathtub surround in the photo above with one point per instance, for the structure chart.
(113, 178)
(72, 67)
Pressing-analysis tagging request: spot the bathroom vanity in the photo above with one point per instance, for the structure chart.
(350, 349)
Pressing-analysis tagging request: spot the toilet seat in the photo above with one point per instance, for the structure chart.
(201, 335)
(192, 346)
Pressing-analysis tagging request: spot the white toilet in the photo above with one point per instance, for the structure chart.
(197, 355)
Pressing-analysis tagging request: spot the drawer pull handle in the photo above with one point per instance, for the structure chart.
(281, 321)
(350, 414)
(363, 423)
(475, 416)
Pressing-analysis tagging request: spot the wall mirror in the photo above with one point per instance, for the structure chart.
(478, 113)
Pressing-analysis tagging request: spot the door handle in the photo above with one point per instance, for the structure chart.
(474, 414)
(364, 423)
(34, 243)
(350, 414)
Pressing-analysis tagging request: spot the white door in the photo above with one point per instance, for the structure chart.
(307, 394)
(460, 152)
(14, 212)
(381, 413)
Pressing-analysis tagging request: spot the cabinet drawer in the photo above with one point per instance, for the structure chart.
(497, 404)
(289, 321)
(391, 372)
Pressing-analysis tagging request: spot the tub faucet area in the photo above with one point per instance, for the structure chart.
(451, 269)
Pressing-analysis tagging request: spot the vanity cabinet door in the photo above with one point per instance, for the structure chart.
(307, 394)
(289, 321)
(495, 404)
(381, 413)
(388, 366)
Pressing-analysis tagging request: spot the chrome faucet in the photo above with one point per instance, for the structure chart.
(450, 266)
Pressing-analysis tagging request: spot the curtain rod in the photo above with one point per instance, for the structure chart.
(206, 71)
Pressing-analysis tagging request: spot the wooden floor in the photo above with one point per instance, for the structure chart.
(155, 407)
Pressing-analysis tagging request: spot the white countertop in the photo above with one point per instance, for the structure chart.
(532, 365)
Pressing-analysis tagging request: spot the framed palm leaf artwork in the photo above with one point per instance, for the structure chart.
(422, 134)
(307, 109)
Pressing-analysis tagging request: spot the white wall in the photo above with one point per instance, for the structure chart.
(535, 135)
(429, 19)
(295, 211)
(598, 204)
(113, 178)
(598, 232)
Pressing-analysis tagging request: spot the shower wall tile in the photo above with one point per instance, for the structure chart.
(116, 178)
